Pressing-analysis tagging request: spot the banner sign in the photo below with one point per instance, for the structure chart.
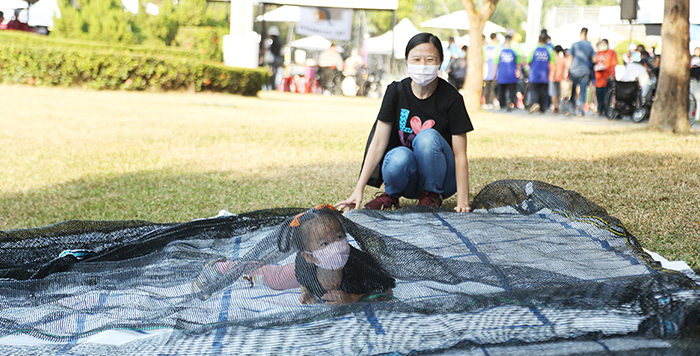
(331, 23)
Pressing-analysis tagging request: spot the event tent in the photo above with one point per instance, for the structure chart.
(312, 43)
(652, 12)
(400, 35)
(568, 34)
(286, 13)
(459, 20)
(356, 4)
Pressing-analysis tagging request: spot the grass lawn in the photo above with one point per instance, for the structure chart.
(165, 157)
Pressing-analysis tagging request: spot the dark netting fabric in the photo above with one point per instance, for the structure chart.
(533, 270)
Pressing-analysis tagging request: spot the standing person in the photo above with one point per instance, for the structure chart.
(457, 69)
(273, 55)
(542, 61)
(418, 146)
(508, 68)
(490, 51)
(560, 71)
(524, 68)
(604, 72)
(451, 52)
(582, 56)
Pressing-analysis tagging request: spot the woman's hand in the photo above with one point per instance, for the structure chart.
(336, 297)
(353, 202)
(462, 208)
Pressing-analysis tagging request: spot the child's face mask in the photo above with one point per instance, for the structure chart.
(333, 256)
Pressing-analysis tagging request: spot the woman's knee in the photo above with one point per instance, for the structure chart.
(428, 142)
(397, 159)
(427, 139)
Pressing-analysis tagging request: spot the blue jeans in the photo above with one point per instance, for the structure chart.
(430, 167)
(601, 93)
(581, 80)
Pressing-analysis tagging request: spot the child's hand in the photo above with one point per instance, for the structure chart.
(306, 297)
(336, 297)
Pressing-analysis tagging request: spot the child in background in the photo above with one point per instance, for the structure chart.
(327, 268)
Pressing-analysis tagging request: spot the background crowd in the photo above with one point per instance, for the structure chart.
(573, 81)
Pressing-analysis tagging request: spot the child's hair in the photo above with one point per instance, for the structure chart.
(292, 236)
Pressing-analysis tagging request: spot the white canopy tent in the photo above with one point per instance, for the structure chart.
(313, 43)
(459, 20)
(11, 5)
(241, 47)
(568, 34)
(286, 13)
(652, 12)
(355, 4)
(401, 34)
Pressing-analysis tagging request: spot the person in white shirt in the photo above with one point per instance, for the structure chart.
(639, 71)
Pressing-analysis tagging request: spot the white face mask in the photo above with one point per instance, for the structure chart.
(423, 74)
(603, 47)
(333, 256)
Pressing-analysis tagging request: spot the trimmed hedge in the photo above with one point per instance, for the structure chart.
(205, 41)
(30, 39)
(100, 68)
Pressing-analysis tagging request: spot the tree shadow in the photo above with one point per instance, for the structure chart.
(656, 196)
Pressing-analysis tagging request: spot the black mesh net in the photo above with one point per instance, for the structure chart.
(535, 269)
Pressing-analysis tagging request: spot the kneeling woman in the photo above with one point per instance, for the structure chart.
(419, 138)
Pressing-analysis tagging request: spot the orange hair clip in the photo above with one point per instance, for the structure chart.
(320, 207)
(295, 221)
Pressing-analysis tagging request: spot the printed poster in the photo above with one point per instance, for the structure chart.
(331, 23)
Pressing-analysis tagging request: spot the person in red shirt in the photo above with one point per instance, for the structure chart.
(604, 71)
(560, 72)
(16, 24)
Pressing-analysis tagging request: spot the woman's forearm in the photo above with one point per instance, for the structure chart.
(459, 144)
(375, 152)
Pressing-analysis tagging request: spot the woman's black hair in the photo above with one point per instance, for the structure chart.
(425, 37)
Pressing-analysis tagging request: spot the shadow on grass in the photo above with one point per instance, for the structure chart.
(171, 195)
(656, 196)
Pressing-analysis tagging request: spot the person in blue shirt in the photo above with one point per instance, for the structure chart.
(582, 56)
(541, 60)
(508, 68)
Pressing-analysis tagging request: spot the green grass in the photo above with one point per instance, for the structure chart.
(90, 155)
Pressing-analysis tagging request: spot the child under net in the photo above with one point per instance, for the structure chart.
(327, 269)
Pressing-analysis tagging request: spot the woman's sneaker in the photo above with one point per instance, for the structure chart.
(430, 199)
(383, 201)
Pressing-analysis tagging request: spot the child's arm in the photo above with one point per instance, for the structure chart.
(307, 297)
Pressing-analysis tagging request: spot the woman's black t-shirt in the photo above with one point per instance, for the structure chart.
(443, 111)
(361, 274)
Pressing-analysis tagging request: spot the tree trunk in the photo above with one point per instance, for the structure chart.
(475, 57)
(670, 109)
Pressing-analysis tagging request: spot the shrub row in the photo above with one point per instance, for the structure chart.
(30, 39)
(51, 65)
